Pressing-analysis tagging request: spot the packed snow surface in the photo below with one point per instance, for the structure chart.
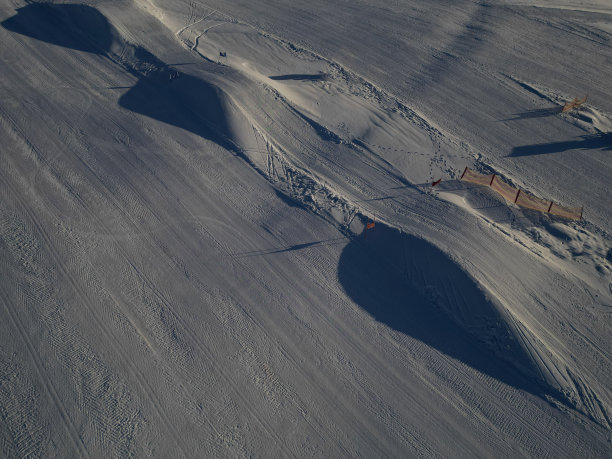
(185, 266)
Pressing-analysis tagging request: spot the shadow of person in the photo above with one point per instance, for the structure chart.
(301, 77)
(414, 288)
(539, 113)
(73, 26)
(602, 140)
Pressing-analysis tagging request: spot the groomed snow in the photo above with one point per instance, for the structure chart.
(185, 269)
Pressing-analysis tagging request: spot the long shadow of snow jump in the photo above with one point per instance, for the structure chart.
(160, 92)
(414, 288)
(73, 26)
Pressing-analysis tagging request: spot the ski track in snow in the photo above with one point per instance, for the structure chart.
(177, 255)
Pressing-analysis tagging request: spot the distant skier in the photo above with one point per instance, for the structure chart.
(173, 76)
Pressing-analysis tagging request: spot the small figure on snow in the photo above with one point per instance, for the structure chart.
(174, 75)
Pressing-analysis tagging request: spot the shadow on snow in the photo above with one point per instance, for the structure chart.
(301, 77)
(538, 113)
(160, 93)
(588, 142)
(414, 288)
(78, 27)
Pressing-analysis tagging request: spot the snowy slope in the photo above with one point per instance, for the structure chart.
(481, 70)
(184, 265)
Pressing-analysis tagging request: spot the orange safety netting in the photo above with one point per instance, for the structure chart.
(474, 177)
(532, 202)
(507, 191)
(520, 197)
(573, 104)
(575, 213)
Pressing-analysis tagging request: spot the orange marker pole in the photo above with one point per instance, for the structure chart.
(369, 225)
